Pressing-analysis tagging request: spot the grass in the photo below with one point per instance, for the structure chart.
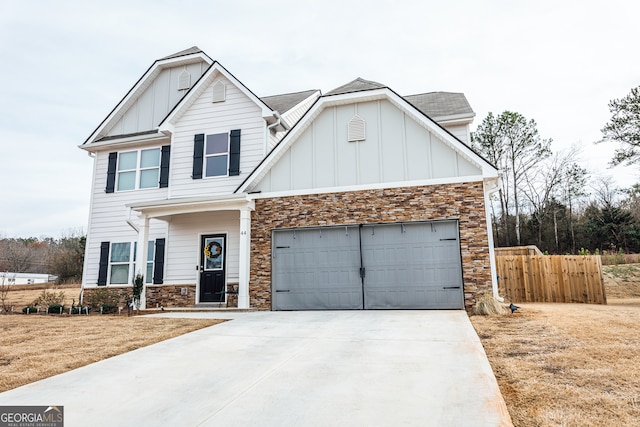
(34, 347)
(570, 364)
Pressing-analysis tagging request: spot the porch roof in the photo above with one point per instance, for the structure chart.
(178, 206)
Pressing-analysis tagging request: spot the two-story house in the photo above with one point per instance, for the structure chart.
(358, 198)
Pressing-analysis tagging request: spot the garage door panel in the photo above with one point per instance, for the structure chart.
(324, 266)
(407, 266)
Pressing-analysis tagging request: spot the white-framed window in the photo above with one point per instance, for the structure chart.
(216, 155)
(138, 169)
(122, 263)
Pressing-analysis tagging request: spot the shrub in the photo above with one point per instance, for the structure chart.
(109, 308)
(29, 309)
(102, 296)
(55, 308)
(79, 310)
(47, 298)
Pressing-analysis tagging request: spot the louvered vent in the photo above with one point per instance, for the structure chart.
(184, 80)
(356, 129)
(219, 92)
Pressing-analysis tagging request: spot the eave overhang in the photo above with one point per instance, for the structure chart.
(170, 207)
(128, 141)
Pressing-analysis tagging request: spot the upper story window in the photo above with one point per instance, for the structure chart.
(216, 154)
(138, 169)
(145, 168)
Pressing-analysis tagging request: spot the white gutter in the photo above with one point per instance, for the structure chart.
(488, 191)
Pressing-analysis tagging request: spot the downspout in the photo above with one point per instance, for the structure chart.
(492, 256)
(131, 224)
(267, 138)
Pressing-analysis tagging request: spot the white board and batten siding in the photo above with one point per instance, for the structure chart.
(206, 117)
(396, 149)
(109, 214)
(156, 100)
(459, 131)
(183, 249)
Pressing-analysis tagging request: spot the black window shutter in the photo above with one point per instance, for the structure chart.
(111, 173)
(198, 153)
(104, 263)
(234, 153)
(158, 266)
(164, 165)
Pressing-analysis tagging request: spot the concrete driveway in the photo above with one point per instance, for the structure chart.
(338, 368)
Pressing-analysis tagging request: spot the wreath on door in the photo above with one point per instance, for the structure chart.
(209, 247)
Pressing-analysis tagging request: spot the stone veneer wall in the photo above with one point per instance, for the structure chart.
(464, 202)
(170, 296)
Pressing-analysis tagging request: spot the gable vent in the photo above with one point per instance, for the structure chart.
(356, 129)
(184, 80)
(219, 92)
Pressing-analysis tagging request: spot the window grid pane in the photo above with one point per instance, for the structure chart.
(150, 158)
(120, 252)
(216, 166)
(217, 144)
(119, 274)
(149, 178)
(126, 180)
(128, 161)
(148, 278)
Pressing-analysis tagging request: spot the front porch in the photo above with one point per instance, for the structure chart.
(207, 251)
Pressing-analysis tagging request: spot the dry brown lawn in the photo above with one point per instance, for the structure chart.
(33, 347)
(22, 295)
(570, 364)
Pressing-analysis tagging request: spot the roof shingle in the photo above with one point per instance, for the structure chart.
(356, 85)
(286, 101)
(440, 104)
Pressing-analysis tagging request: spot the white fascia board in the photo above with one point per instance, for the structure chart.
(169, 207)
(203, 83)
(364, 187)
(127, 142)
(455, 119)
(137, 89)
(430, 124)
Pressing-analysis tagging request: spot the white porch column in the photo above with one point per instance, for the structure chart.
(141, 256)
(245, 258)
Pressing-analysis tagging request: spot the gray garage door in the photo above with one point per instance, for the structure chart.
(413, 265)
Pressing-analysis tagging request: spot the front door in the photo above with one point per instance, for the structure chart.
(212, 267)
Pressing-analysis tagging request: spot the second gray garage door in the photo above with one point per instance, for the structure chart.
(412, 265)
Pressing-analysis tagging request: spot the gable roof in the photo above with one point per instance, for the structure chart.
(189, 51)
(284, 102)
(187, 56)
(201, 85)
(356, 85)
(376, 92)
(441, 105)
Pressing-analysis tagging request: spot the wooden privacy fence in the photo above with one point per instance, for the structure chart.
(551, 278)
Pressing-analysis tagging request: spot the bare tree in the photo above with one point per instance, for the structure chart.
(16, 255)
(6, 280)
(513, 144)
(543, 186)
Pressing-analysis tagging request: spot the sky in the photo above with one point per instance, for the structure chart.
(66, 64)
